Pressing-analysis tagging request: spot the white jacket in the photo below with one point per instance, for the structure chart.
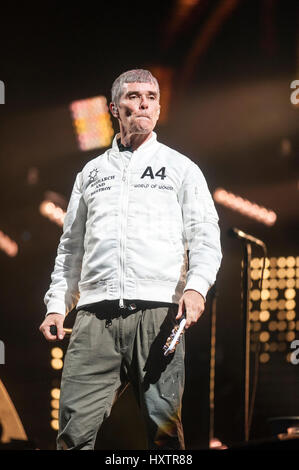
(130, 219)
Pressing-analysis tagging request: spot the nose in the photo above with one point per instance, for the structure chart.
(143, 102)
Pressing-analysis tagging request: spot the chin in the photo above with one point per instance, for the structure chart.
(141, 130)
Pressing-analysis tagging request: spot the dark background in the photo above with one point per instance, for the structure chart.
(230, 112)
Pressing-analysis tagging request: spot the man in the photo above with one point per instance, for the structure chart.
(121, 261)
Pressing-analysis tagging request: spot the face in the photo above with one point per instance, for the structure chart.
(138, 108)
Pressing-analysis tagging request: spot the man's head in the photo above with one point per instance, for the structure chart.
(135, 101)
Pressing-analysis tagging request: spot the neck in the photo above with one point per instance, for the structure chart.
(133, 140)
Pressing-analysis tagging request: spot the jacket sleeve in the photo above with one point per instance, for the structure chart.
(201, 230)
(63, 293)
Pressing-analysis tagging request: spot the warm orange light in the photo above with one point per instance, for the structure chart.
(264, 315)
(244, 206)
(7, 245)
(54, 424)
(57, 364)
(57, 353)
(51, 211)
(92, 122)
(55, 393)
(264, 357)
(55, 404)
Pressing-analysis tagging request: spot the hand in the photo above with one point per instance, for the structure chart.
(193, 304)
(53, 319)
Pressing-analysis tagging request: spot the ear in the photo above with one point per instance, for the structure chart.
(114, 110)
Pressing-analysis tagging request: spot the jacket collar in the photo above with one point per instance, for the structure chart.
(146, 145)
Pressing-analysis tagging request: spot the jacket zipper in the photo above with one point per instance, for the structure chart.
(125, 185)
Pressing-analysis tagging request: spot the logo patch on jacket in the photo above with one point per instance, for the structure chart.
(93, 174)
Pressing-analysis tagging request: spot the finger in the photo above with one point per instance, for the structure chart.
(191, 318)
(47, 334)
(60, 331)
(180, 310)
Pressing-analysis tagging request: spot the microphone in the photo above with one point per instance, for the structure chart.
(237, 233)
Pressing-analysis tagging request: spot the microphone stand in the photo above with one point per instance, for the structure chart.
(246, 333)
(247, 240)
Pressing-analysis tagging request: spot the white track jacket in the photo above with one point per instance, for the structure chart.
(131, 218)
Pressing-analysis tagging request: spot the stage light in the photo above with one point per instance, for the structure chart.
(264, 357)
(273, 262)
(281, 304)
(281, 284)
(256, 326)
(266, 273)
(290, 304)
(273, 273)
(291, 325)
(264, 315)
(272, 325)
(265, 305)
(281, 315)
(264, 336)
(291, 314)
(281, 273)
(57, 353)
(290, 294)
(255, 274)
(255, 294)
(55, 393)
(54, 414)
(281, 325)
(55, 404)
(291, 262)
(92, 122)
(265, 294)
(281, 262)
(7, 245)
(54, 424)
(254, 316)
(244, 206)
(290, 272)
(57, 364)
(273, 294)
(255, 263)
(273, 283)
(273, 304)
(51, 211)
(278, 294)
(290, 283)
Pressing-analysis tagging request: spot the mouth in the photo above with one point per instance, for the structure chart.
(146, 117)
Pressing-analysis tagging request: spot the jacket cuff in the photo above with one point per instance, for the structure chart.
(199, 284)
(56, 306)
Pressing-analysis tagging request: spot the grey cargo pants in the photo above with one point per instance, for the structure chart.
(108, 348)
